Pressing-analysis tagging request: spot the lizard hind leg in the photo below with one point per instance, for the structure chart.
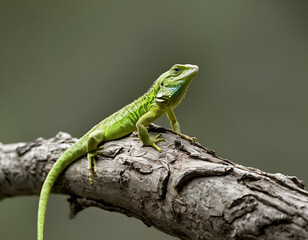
(95, 138)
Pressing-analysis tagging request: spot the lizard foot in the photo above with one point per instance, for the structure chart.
(191, 139)
(92, 162)
(155, 140)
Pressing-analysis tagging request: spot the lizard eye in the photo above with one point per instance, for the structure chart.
(176, 69)
(162, 84)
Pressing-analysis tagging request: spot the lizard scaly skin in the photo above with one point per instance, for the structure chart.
(165, 94)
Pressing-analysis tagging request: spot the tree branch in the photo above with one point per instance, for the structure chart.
(185, 191)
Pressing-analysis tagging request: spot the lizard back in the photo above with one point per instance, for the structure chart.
(124, 121)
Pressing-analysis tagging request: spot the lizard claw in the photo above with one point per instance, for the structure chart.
(155, 140)
(156, 147)
(157, 136)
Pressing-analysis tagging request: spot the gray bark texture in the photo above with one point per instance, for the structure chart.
(185, 191)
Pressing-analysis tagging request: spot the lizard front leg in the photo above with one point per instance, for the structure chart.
(173, 122)
(95, 138)
(176, 126)
(154, 113)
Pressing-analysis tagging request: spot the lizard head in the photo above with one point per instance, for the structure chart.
(174, 84)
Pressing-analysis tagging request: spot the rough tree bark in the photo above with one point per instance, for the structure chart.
(185, 191)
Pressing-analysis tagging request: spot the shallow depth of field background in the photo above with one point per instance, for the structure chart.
(65, 65)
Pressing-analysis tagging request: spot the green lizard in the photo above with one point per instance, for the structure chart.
(166, 93)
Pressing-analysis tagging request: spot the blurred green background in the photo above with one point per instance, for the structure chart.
(65, 65)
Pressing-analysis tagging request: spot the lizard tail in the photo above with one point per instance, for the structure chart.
(69, 156)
